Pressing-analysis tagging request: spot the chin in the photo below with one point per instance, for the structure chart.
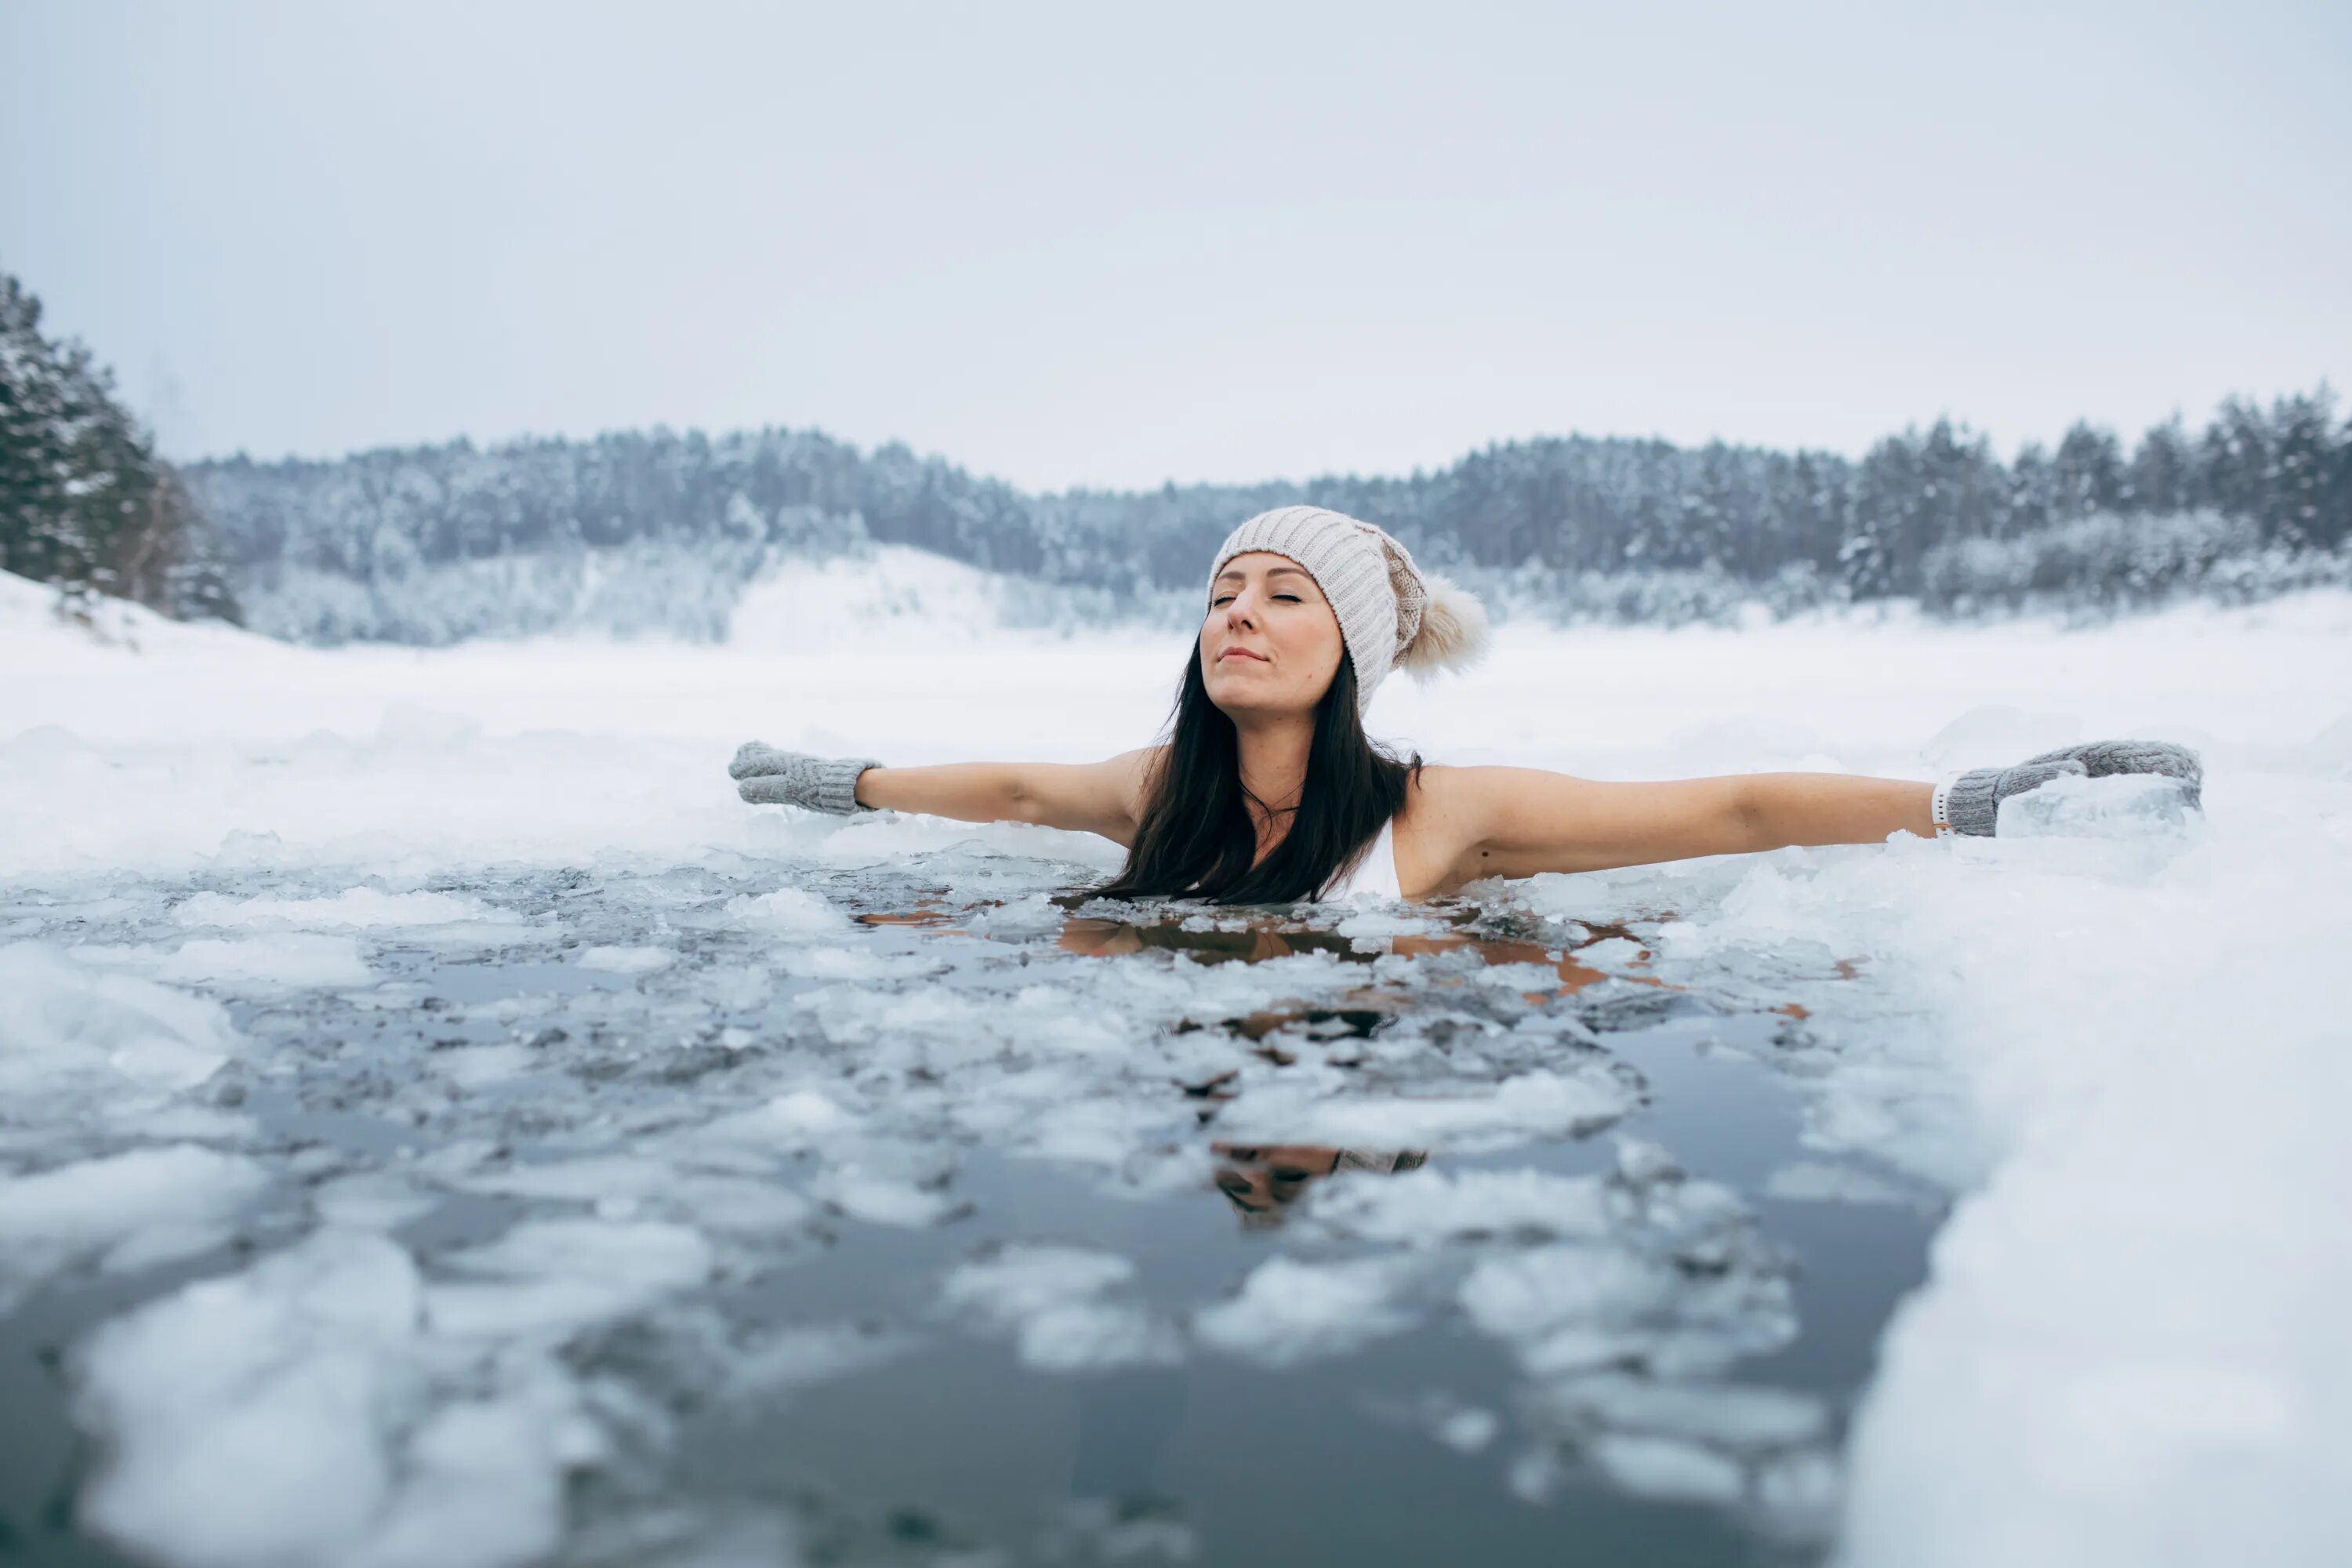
(1237, 702)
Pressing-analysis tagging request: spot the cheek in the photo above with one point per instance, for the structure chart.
(1315, 648)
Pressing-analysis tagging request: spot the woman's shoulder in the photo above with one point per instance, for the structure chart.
(1435, 784)
(1448, 806)
(1138, 770)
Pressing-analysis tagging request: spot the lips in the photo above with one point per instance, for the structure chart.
(1240, 653)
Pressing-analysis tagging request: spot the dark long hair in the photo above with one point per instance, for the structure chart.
(1196, 839)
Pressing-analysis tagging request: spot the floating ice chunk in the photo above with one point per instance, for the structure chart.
(290, 961)
(370, 1200)
(1050, 1019)
(1035, 915)
(366, 908)
(1467, 1431)
(1801, 1490)
(1539, 1104)
(737, 1205)
(581, 1181)
(802, 1357)
(798, 1120)
(558, 1275)
(882, 1199)
(1667, 1468)
(1680, 1293)
(1428, 1207)
(64, 1027)
(627, 959)
(787, 911)
(2122, 805)
(622, 1186)
(1289, 1311)
(943, 1028)
(242, 1419)
(1021, 1279)
(854, 963)
(1526, 978)
(482, 1481)
(1530, 1295)
(1096, 1336)
(476, 1066)
(1051, 1297)
(1378, 922)
(129, 1210)
(1606, 897)
(1745, 1418)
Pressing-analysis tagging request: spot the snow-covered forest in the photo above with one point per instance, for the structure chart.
(658, 531)
(661, 532)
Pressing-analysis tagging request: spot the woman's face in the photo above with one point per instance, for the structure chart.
(1270, 643)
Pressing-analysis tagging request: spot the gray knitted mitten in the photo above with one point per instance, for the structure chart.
(767, 776)
(2105, 757)
(1973, 804)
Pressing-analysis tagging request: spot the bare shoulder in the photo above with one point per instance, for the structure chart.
(1439, 830)
(1478, 821)
(1134, 770)
(1452, 791)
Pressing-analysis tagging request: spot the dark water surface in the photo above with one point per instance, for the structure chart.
(818, 1397)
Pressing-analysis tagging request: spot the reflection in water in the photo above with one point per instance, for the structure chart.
(1255, 943)
(1260, 1179)
(925, 913)
(1251, 944)
(1259, 941)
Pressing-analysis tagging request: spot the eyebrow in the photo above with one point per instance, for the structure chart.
(1271, 572)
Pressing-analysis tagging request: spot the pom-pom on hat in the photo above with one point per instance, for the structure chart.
(1391, 614)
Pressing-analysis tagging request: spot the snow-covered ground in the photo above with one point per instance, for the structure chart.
(228, 864)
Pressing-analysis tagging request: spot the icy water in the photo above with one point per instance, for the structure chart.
(441, 1125)
(754, 1211)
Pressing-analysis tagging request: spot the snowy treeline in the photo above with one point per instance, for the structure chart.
(84, 501)
(656, 530)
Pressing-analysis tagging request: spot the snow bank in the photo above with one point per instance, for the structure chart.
(2130, 1348)
(407, 761)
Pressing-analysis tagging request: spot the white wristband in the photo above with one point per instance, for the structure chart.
(1935, 805)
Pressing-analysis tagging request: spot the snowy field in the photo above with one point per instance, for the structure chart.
(440, 1124)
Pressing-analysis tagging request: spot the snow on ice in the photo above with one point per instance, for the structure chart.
(459, 988)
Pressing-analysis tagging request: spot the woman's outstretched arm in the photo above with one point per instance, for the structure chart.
(1103, 797)
(1517, 822)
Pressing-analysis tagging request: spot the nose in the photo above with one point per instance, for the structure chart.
(1242, 610)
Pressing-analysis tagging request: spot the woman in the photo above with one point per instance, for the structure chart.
(1267, 791)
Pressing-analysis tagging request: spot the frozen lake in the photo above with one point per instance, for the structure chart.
(439, 1124)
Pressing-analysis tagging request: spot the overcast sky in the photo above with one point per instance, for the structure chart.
(1117, 245)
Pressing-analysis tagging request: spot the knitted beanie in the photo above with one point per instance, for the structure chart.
(1390, 615)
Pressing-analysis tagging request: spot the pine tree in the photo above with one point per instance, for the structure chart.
(84, 501)
(2089, 471)
(2163, 474)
